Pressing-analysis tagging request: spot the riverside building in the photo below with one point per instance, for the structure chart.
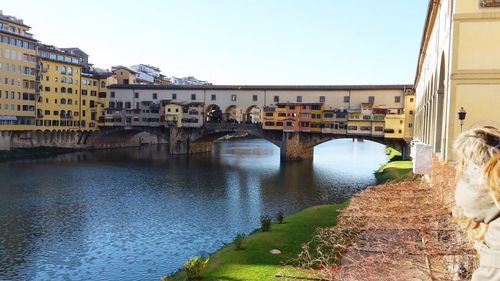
(18, 83)
(458, 67)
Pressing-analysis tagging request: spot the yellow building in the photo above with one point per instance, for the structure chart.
(173, 114)
(458, 66)
(18, 85)
(399, 124)
(124, 75)
(316, 117)
(94, 98)
(58, 105)
(394, 126)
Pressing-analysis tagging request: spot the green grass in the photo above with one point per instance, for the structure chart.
(255, 262)
(393, 171)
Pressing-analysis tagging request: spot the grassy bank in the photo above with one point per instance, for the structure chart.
(255, 262)
(394, 170)
(37, 152)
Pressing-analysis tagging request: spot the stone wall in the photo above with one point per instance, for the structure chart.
(5, 140)
(294, 148)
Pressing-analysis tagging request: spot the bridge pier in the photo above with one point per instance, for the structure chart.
(295, 147)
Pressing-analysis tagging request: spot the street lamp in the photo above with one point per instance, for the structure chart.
(461, 117)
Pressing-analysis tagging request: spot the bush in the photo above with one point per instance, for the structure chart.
(280, 217)
(238, 241)
(265, 223)
(193, 266)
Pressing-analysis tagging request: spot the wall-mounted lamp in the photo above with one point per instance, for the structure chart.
(461, 117)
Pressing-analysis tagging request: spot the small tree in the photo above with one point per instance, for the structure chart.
(280, 217)
(265, 223)
(193, 267)
(238, 241)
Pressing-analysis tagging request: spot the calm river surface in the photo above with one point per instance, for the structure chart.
(137, 214)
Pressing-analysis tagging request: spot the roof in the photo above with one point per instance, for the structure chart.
(114, 68)
(261, 87)
(429, 21)
(74, 49)
(13, 20)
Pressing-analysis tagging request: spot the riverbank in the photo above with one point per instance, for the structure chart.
(38, 152)
(255, 262)
(393, 231)
(395, 169)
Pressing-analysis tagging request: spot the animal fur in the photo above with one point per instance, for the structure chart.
(481, 146)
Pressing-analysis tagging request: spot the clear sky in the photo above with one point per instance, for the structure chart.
(240, 41)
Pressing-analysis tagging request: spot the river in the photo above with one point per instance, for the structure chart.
(138, 213)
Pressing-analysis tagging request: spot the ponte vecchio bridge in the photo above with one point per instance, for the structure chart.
(295, 118)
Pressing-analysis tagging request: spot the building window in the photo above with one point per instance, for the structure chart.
(411, 99)
(397, 99)
(111, 94)
(322, 98)
(411, 112)
(276, 98)
(347, 99)
(174, 96)
(233, 97)
(213, 97)
(254, 98)
(136, 95)
(299, 98)
(371, 99)
(193, 96)
(155, 96)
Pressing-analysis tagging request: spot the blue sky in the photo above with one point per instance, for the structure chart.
(240, 41)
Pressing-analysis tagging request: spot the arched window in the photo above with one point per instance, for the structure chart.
(103, 84)
(70, 70)
(63, 90)
(63, 101)
(69, 114)
(63, 114)
(70, 101)
(63, 79)
(70, 80)
(70, 90)
(55, 79)
(63, 69)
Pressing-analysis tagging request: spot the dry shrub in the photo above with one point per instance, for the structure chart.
(394, 231)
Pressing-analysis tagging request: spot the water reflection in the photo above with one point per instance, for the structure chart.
(137, 213)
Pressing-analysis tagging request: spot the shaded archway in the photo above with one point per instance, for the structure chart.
(253, 115)
(440, 107)
(233, 114)
(214, 114)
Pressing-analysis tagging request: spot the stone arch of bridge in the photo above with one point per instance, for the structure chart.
(397, 144)
(209, 135)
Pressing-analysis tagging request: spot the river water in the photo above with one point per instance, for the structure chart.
(137, 214)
